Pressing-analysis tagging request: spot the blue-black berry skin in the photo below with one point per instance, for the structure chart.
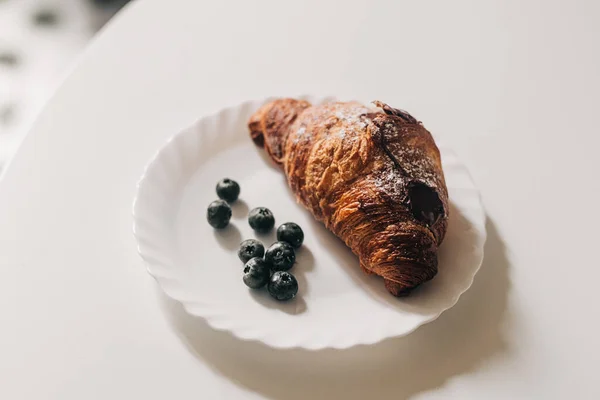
(283, 286)
(218, 214)
(261, 219)
(249, 249)
(280, 256)
(256, 273)
(228, 190)
(291, 233)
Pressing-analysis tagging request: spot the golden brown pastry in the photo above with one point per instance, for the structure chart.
(372, 176)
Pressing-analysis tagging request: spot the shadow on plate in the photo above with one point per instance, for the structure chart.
(240, 209)
(293, 307)
(463, 338)
(228, 238)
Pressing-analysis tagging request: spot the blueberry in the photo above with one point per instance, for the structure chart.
(283, 286)
(249, 249)
(256, 273)
(228, 190)
(290, 233)
(280, 256)
(261, 219)
(218, 214)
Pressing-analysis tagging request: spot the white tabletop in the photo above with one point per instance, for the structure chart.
(512, 85)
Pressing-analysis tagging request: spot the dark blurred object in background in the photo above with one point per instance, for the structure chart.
(39, 39)
(110, 3)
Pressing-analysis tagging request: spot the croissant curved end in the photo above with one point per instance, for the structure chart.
(398, 289)
(270, 125)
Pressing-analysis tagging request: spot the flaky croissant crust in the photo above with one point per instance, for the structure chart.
(372, 176)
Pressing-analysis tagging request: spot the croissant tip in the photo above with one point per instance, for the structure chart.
(398, 289)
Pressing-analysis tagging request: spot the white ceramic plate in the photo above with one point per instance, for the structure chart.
(337, 305)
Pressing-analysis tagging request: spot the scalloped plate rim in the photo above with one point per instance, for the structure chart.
(162, 280)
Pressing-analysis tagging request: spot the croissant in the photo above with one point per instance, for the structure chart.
(373, 176)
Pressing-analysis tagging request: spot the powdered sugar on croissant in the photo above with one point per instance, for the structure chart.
(372, 176)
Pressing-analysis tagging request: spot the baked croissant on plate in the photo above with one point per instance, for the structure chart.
(373, 176)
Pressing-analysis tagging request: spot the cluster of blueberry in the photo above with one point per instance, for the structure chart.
(261, 268)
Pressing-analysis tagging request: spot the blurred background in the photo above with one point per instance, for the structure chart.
(39, 39)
